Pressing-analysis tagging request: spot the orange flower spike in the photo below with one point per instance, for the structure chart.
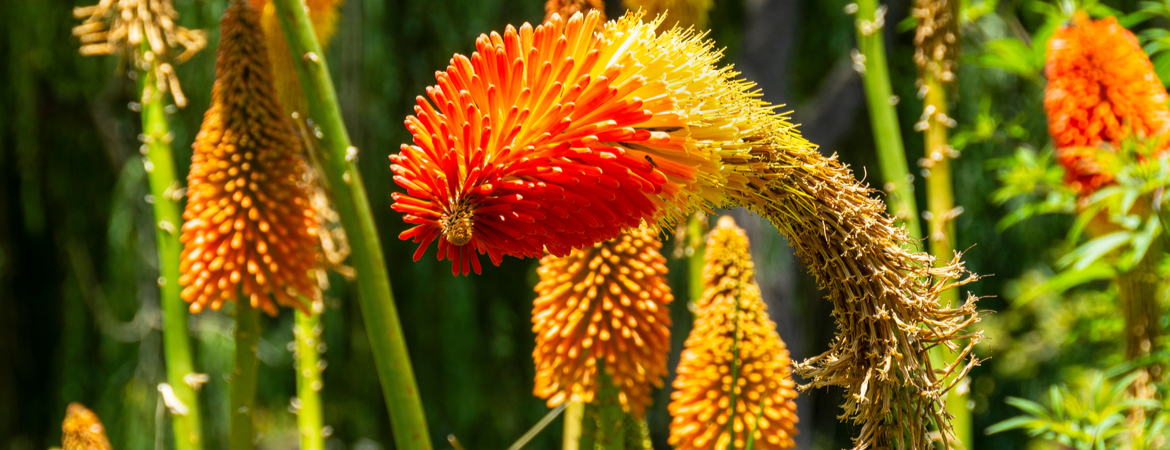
(553, 138)
(249, 226)
(702, 397)
(607, 303)
(82, 430)
(324, 16)
(1101, 86)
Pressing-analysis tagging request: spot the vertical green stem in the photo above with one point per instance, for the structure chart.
(941, 201)
(884, 120)
(606, 412)
(696, 228)
(339, 158)
(164, 189)
(243, 383)
(572, 434)
(310, 418)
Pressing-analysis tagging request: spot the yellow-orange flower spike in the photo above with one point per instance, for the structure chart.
(1101, 88)
(324, 16)
(681, 13)
(249, 225)
(606, 303)
(732, 319)
(82, 430)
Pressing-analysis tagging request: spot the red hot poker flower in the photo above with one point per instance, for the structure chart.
(1101, 87)
(550, 138)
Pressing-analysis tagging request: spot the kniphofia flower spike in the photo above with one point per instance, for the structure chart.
(732, 328)
(82, 430)
(556, 137)
(249, 227)
(607, 303)
(1101, 89)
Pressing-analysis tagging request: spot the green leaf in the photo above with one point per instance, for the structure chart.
(1010, 55)
(1028, 406)
(1066, 280)
(1090, 251)
(1014, 423)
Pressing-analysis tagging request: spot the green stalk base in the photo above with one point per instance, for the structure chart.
(310, 416)
(243, 384)
(159, 161)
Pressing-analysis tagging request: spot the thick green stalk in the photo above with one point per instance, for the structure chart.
(164, 189)
(243, 383)
(338, 161)
(310, 418)
(884, 120)
(603, 418)
(941, 202)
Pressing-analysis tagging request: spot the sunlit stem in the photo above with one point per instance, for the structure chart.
(165, 191)
(898, 183)
(243, 379)
(572, 434)
(310, 418)
(696, 228)
(339, 163)
(941, 204)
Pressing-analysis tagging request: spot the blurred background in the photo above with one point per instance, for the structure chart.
(79, 313)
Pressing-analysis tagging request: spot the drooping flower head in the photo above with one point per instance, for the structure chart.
(82, 430)
(606, 304)
(732, 354)
(249, 226)
(555, 137)
(324, 16)
(122, 26)
(1101, 89)
(681, 13)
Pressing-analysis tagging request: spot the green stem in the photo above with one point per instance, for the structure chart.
(696, 228)
(610, 434)
(243, 384)
(884, 120)
(941, 201)
(339, 158)
(310, 419)
(572, 434)
(164, 189)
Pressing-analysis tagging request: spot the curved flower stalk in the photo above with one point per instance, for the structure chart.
(609, 303)
(1101, 89)
(554, 137)
(250, 227)
(146, 30)
(734, 383)
(679, 13)
(82, 430)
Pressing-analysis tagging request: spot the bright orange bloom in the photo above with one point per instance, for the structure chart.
(249, 226)
(82, 430)
(324, 15)
(1101, 87)
(606, 303)
(732, 319)
(554, 139)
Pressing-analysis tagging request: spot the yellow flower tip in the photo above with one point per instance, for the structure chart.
(604, 304)
(82, 430)
(324, 14)
(250, 227)
(701, 405)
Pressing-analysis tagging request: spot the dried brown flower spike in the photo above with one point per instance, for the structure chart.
(82, 430)
(609, 303)
(146, 30)
(250, 227)
(732, 319)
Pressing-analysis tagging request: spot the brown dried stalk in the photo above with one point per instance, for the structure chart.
(146, 30)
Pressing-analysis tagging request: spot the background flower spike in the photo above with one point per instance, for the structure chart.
(733, 343)
(249, 226)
